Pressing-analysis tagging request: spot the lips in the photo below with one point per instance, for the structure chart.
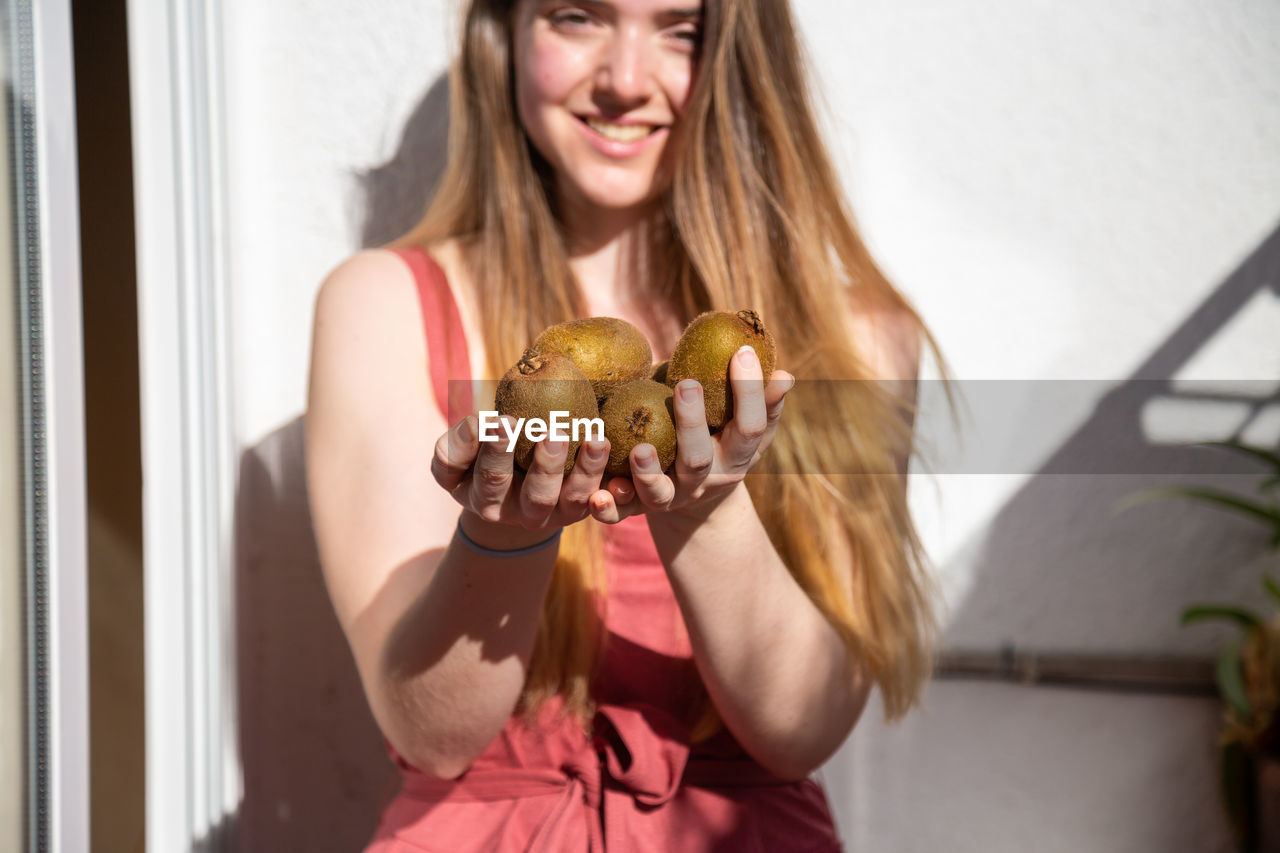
(625, 133)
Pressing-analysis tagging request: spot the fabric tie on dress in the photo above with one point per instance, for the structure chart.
(637, 749)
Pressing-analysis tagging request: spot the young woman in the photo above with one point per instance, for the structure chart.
(654, 662)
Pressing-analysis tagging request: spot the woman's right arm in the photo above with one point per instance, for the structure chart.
(441, 634)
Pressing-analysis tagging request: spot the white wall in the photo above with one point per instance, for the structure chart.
(1068, 192)
(318, 100)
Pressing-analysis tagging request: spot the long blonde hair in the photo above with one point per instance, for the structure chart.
(754, 219)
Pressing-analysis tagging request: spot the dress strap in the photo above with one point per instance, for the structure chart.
(446, 341)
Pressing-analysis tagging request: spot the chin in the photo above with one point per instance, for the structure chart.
(621, 201)
(615, 195)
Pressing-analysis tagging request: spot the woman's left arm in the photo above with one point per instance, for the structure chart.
(779, 673)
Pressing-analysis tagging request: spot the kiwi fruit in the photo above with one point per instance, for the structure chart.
(705, 350)
(537, 385)
(611, 352)
(659, 373)
(637, 413)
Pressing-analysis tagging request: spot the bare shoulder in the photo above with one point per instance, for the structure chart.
(368, 350)
(367, 327)
(887, 337)
(367, 286)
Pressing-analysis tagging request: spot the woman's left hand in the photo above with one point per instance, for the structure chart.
(707, 467)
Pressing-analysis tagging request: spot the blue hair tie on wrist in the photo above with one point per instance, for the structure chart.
(491, 552)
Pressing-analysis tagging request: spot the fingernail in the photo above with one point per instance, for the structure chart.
(595, 450)
(690, 390)
(467, 430)
(645, 456)
(747, 356)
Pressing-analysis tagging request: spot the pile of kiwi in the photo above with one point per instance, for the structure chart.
(603, 367)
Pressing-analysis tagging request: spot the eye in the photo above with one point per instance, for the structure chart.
(570, 18)
(688, 33)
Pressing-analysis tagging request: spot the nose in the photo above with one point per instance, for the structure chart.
(625, 76)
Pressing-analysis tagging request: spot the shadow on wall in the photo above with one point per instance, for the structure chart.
(315, 769)
(395, 194)
(1059, 570)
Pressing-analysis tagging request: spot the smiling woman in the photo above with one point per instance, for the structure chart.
(568, 660)
(599, 87)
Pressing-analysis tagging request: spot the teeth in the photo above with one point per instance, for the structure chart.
(620, 132)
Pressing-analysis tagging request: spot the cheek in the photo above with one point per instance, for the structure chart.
(550, 72)
(677, 81)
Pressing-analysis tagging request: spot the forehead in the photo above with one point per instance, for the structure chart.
(683, 8)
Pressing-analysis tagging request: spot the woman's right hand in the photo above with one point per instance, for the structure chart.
(483, 478)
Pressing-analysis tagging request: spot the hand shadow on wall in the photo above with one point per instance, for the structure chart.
(1060, 569)
(315, 768)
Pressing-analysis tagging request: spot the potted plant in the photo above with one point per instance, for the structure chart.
(1247, 670)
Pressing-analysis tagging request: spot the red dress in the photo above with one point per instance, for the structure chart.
(637, 784)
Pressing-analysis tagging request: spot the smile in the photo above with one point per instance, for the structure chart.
(619, 132)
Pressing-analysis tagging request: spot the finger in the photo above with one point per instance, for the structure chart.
(540, 493)
(455, 451)
(695, 450)
(742, 435)
(654, 488)
(622, 489)
(775, 390)
(775, 396)
(584, 480)
(492, 476)
(603, 508)
(774, 410)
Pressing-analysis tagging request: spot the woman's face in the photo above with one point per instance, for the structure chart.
(599, 84)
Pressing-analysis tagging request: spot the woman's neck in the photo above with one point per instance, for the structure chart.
(607, 252)
(609, 256)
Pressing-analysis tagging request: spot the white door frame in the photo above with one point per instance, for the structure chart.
(188, 456)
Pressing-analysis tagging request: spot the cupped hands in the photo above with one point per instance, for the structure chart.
(707, 467)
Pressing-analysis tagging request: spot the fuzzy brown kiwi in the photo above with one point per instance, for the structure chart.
(705, 350)
(611, 352)
(537, 385)
(659, 373)
(636, 413)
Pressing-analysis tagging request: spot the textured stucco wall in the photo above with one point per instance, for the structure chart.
(1082, 197)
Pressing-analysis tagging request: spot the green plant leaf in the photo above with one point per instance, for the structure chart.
(1206, 612)
(1226, 500)
(1265, 454)
(1231, 680)
(1273, 588)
